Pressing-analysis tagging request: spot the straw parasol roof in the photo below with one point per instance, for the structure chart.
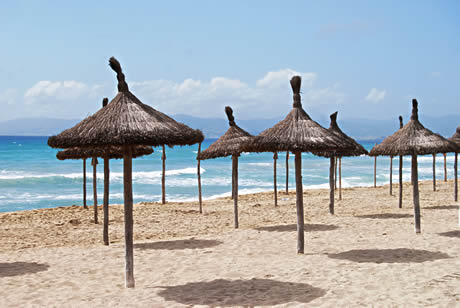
(229, 143)
(413, 138)
(456, 138)
(112, 152)
(357, 149)
(297, 132)
(126, 121)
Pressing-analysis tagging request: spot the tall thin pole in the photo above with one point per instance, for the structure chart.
(375, 170)
(340, 178)
(287, 172)
(400, 169)
(199, 179)
(235, 188)
(416, 194)
(400, 180)
(456, 178)
(335, 173)
(391, 175)
(84, 184)
(94, 163)
(434, 171)
(445, 166)
(128, 212)
(106, 201)
(163, 176)
(299, 202)
(331, 185)
(275, 189)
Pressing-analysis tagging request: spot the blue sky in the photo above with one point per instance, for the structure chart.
(366, 59)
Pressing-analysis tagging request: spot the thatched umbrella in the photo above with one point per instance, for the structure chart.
(229, 144)
(297, 133)
(126, 122)
(456, 139)
(107, 152)
(413, 139)
(355, 150)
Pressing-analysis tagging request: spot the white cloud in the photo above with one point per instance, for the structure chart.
(8, 96)
(269, 97)
(58, 90)
(375, 95)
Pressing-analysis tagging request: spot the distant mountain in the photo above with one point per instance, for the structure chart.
(361, 129)
(35, 126)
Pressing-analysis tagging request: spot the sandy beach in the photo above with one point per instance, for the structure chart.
(367, 254)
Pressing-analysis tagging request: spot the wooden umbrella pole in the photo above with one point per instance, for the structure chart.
(434, 172)
(331, 185)
(106, 200)
(456, 178)
(199, 179)
(299, 202)
(400, 181)
(391, 175)
(163, 177)
(233, 183)
(287, 172)
(275, 189)
(375, 171)
(340, 178)
(128, 212)
(84, 184)
(94, 163)
(445, 166)
(416, 194)
(335, 173)
(235, 188)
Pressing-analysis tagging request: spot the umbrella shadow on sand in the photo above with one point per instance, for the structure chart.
(385, 216)
(21, 268)
(179, 244)
(455, 233)
(293, 227)
(441, 207)
(398, 255)
(247, 293)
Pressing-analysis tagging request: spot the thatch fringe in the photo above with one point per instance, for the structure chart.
(356, 148)
(229, 143)
(111, 152)
(126, 121)
(297, 132)
(413, 138)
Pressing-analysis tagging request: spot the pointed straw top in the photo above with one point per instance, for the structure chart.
(413, 138)
(111, 152)
(356, 148)
(105, 101)
(297, 132)
(229, 112)
(126, 121)
(229, 143)
(456, 139)
(401, 124)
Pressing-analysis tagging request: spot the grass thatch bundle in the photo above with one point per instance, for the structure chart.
(297, 132)
(356, 148)
(456, 139)
(229, 144)
(413, 138)
(126, 121)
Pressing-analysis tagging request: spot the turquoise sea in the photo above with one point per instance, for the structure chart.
(31, 177)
